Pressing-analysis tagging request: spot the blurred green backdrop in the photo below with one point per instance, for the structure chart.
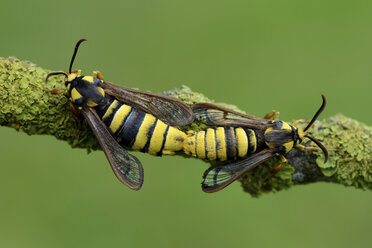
(257, 54)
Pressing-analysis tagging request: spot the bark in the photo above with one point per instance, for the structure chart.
(26, 108)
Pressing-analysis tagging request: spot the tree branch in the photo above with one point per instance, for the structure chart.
(24, 107)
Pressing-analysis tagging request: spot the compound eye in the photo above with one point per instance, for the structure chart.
(278, 124)
(96, 81)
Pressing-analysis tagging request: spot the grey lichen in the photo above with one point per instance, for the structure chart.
(27, 108)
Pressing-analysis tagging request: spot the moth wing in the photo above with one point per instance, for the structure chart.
(218, 177)
(127, 168)
(212, 114)
(170, 110)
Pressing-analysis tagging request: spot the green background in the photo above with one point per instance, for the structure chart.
(259, 55)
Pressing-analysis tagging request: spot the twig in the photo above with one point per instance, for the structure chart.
(26, 108)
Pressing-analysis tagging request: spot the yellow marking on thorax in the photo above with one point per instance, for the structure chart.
(110, 109)
(268, 130)
(157, 138)
(221, 144)
(174, 141)
(141, 137)
(101, 91)
(119, 117)
(211, 144)
(252, 141)
(88, 79)
(75, 94)
(270, 145)
(288, 146)
(91, 103)
(301, 133)
(71, 77)
(242, 141)
(200, 144)
(286, 126)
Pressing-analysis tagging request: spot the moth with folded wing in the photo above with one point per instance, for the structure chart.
(120, 116)
(242, 142)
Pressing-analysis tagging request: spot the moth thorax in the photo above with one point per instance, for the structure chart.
(280, 136)
(96, 97)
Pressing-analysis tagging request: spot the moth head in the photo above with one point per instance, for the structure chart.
(72, 75)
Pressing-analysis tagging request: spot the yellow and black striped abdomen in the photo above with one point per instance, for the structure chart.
(221, 143)
(141, 131)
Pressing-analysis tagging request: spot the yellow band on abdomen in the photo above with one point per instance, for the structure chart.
(211, 144)
(142, 135)
(157, 138)
(221, 144)
(242, 142)
(189, 146)
(174, 141)
(252, 141)
(110, 110)
(119, 117)
(200, 144)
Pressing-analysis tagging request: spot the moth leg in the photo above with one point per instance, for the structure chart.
(78, 72)
(312, 148)
(273, 171)
(273, 114)
(76, 112)
(98, 74)
(308, 148)
(53, 91)
(277, 168)
(302, 121)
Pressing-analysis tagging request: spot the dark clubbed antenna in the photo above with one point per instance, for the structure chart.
(75, 51)
(55, 73)
(317, 113)
(72, 61)
(317, 142)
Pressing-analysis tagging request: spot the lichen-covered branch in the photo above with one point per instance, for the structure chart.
(24, 107)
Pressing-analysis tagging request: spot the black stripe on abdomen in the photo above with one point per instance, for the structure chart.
(230, 142)
(149, 136)
(129, 129)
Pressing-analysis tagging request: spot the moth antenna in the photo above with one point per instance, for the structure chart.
(53, 74)
(320, 145)
(74, 54)
(317, 113)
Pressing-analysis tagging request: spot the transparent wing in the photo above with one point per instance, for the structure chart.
(218, 177)
(127, 168)
(168, 109)
(212, 114)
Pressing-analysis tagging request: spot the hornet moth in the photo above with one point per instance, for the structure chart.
(242, 142)
(120, 116)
